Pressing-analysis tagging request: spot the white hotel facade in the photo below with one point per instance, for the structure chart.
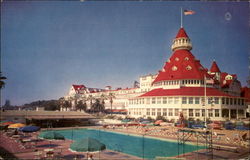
(182, 86)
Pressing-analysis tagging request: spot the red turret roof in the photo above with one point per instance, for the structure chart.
(245, 92)
(185, 91)
(181, 33)
(214, 67)
(182, 65)
(78, 87)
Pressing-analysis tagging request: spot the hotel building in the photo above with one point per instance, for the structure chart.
(183, 85)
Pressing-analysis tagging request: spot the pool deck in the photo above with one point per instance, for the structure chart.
(30, 149)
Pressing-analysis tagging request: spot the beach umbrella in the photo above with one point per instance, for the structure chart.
(87, 145)
(16, 125)
(125, 120)
(6, 123)
(52, 135)
(158, 122)
(3, 121)
(29, 129)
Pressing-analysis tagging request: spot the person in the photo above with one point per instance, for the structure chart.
(90, 157)
(15, 132)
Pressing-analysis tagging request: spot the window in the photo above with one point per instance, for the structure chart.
(197, 100)
(238, 101)
(231, 101)
(223, 100)
(164, 112)
(139, 113)
(170, 112)
(153, 112)
(184, 100)
(170, 100)
(191, 112)
(158, 112)
(216, 100)
(209, 100)
(153, 100)
(203, 112)
(242, 102)
(210, 113)
(235, 101)
(164, 100)
(217, 113)
(148, 101)
(158, 100)
(190, 100)
(227, 100)
(197, 113)
(148, 111)
(241, 112)
(188, 68)
(176, 100)
(176, 112)
(142, 101)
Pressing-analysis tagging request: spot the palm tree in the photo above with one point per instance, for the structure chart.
(81, 106)
(83, 98)
(111, 96)
(90, 98)
(103, 97)
(61, 102)
(2, 83)
(67, 104)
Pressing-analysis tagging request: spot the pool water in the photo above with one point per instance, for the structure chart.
(138, 146)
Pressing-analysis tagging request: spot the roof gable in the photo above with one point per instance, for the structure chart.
(182, 65)
(214, 67)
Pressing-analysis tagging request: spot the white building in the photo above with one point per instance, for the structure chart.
(183, 84)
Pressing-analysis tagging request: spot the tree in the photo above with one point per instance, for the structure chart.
(81, 106)
(67, 104)
(61, 102)
(111, 96)
(2, 83)
(90, 98)
(97, 106)
(102, 99)
(161, 118)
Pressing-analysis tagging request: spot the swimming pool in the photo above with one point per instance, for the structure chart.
(139, 146)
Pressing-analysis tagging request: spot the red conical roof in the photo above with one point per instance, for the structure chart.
(182, 65)
(181, 33)
(214, 67)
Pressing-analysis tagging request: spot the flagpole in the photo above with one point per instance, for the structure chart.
(205, 96)
(181, 18)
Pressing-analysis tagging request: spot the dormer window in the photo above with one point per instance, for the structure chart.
(174, 68)
(177, 59)
(186, 58)
(228, 77)
(188, 67)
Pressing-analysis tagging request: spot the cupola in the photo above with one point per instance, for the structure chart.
(181, 41)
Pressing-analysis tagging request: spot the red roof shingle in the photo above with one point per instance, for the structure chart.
(185, 91)
(214, 67)
(182, 65)
(181, 33)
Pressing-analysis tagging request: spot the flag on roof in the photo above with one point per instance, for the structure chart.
(188, 12)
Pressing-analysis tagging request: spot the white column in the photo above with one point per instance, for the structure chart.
(229, 114)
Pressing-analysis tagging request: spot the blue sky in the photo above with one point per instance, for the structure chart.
(47, 46)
